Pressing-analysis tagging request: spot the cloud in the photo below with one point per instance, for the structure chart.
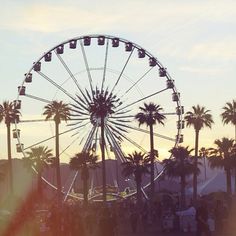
(201, 70)
(132, 15)
(225, 49)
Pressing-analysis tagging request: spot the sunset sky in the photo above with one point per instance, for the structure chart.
(195, 40)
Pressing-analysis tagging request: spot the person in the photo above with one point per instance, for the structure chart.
(134, 220)
(106, 225)
(202, 218)
(220, 213)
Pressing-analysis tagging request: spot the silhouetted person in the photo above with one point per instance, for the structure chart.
(220, 213)
(134, 220)
(106, 226)
(202, 218)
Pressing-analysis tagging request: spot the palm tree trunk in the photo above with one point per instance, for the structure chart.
(235, 180)
(195, 166)
(228, 180)
(182, 184)
(235, 133)
(235, 167)
(152, 162)
(58, 171)
(39, 184)
(85, 187)
(138, 186)
(104, 192)
(9, 158)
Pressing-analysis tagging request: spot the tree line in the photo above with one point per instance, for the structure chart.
(181, 164)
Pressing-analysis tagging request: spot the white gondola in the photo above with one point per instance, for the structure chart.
(28, 77)
(60, 49)
(48, 56)
(170, 84)
(101, 40)
(19, 147)
(128, 47)
(16, 133)
(17, 104)
(73, 44)
(37, 66)
(115, 42)
(141, 53)
(21, 90)
(87, 41)
(175, 97)
(152, 61)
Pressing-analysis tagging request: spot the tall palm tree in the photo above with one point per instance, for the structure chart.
(58, 111)
(136, 164)
(150, 114)
(203, 153)
(229, 115)
(84, 161)
(38, 158)
(9, 114)
(180, 165)
(101, 107)
(198, 118)
(220, 157)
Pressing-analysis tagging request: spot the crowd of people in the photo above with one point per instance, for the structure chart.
(114, 218)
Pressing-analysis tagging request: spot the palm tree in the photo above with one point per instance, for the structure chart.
(180, 165)
(3, 167)
(220, 157)
(58, 111)
(150, 115)
(9, 114)
(101, 107)
(229, 115)
(203, 153)
(38, 158)
(198, 118)
(136, 164)
(84, 161)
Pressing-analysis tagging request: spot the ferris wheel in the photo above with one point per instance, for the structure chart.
(78, 72)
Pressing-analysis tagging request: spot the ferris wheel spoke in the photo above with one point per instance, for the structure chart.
(105, 65)
(131, 141)
(72, 142)
(134, 84)
(80, 107)
(121, 117)
(123, 69)
(69, 71)
(169, 113)
(56, 85)
(154, 133)
(35, 120)
(47, 139)
(37, 98)
(119, 122)
(81, 100)
(142, 99)
(87, 67)
(79, 127)
(71, 185)
(119, 127)
(77, 118)
(89, 139)
(94, 144)
(75, 123)
(115, 145)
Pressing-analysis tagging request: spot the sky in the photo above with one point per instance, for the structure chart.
(194, 40)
